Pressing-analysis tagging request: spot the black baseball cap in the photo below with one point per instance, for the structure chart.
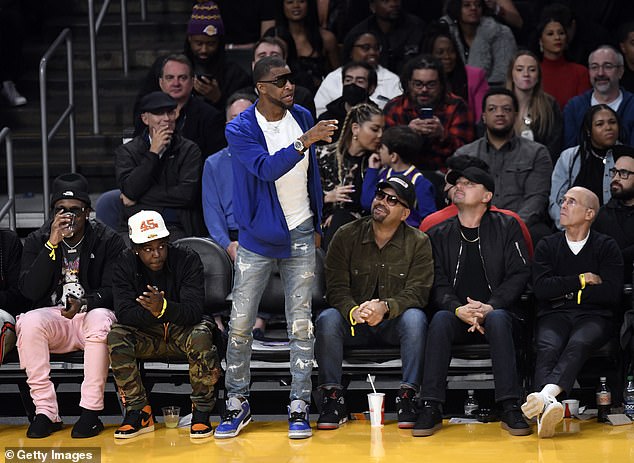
(402, 187)
(474, 174)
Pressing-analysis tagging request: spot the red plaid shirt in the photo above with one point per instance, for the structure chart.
(455, 118)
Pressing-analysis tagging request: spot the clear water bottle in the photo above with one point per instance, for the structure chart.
(604, 400)
(471, 406)
(628, 398)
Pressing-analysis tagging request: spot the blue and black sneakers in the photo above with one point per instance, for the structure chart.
(299, 420)
(236, 416)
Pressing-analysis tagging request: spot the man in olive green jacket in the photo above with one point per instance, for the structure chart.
(379, 272)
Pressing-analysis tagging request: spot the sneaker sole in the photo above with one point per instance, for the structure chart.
(426, 432)
(135, 434)
(516, 431)
(300, 434)
(227, 435)
(201, 435)
(549, 420)
(406, 424)
(331, 426)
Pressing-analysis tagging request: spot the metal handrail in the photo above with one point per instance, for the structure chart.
(93, 29)
(9, 206)
(47, 136)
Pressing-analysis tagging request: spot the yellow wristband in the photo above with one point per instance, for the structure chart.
(456, 311)
(164, 307)
(582, 279)
(51, 247)
(352, 320)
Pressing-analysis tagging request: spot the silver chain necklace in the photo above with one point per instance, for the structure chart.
(71, 249)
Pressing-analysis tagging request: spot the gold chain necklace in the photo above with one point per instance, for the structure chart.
(468, 240)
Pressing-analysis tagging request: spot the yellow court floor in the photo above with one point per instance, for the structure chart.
(355, 442)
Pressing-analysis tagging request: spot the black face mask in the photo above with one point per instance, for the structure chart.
(353, 94)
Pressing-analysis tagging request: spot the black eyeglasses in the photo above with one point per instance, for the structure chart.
(390, 199)
(73, 210)
(622, 173)
(280, 81)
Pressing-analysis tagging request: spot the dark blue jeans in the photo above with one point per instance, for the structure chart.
(447, 329)
(332, 333)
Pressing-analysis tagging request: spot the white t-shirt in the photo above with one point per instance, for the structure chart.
(292, 187)
(577, 246)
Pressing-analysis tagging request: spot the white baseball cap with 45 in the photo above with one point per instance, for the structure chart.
(145, 226)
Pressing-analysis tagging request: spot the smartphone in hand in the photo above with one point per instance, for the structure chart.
(425, 113)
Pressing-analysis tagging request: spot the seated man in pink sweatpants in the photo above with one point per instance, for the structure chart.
(66, 272)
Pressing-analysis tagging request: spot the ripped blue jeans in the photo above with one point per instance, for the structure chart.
(252, 272)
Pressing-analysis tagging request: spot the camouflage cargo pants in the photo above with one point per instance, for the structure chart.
(127, 344)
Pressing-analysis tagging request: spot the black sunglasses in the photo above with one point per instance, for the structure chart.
(390, 199)
(73, 210)
(280, 81)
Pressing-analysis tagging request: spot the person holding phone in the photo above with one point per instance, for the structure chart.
(66, 272)
(440, 117)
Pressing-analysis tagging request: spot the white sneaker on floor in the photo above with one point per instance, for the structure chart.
(11, 94)
(548, 421)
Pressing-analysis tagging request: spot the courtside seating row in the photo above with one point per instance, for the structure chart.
(270, 362)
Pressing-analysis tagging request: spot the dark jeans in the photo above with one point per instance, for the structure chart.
(447, 329)
(564, 342)
(332, 333)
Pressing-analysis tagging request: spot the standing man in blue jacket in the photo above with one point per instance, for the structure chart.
(277, 199)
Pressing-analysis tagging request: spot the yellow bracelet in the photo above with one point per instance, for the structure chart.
(352, 320)
(51, 247)
(164, 307)
(582, 279)
(456, 311)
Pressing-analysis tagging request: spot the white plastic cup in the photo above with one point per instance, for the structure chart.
(171, 415)
(571, 408)
(376, 402)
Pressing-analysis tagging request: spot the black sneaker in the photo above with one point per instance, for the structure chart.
(201, 425)
(42, 426)
(429, 421)
(513, 421)
(333, 410)
(406, 408)
(135, 423)
(88, 425)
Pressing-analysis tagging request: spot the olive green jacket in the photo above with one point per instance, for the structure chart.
(401, 273)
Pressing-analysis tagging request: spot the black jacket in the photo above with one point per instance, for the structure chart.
(197, 121)
(184, 294)
(170, 182)
(504, 257)
(11, 300)
(40, 275)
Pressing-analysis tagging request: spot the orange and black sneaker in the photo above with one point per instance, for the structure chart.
(201, 426)
(135, 423)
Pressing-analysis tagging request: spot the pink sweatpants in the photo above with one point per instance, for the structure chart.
(45, 331)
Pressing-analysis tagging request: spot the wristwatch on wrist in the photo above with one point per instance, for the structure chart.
(299, 146)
